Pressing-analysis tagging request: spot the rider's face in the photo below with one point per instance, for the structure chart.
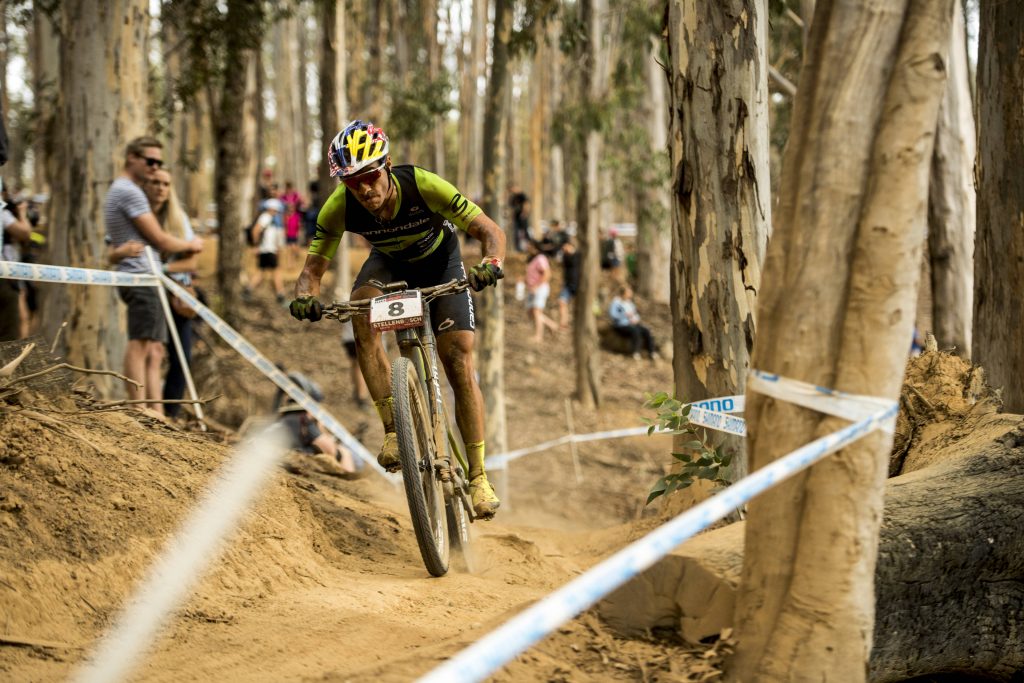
(371, 187)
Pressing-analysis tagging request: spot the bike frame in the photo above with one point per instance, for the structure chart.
(419, 345)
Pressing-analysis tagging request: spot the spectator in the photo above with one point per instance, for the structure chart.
(570, 281)
(269, 239)
(131, 226)
(613, 255)
(626, 323)
(181, 268)
(538, 287)
(553, 239)
(307, 435)
(312, 211)
(519, 203)
(14, 231)
(292, 222)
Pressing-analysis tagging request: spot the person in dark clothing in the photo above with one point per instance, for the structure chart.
(519, 203)
(570, 280)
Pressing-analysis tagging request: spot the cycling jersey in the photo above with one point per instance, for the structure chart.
(427, 208)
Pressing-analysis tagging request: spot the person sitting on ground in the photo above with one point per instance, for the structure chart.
(626, 322)
(409, 216)
(131, 225)
(307, 436)
(269, 239)
(538, 288)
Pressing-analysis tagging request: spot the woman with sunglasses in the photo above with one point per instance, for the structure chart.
(409, 215)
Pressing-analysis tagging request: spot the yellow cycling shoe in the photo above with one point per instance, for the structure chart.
(485, 503)
(388, 456)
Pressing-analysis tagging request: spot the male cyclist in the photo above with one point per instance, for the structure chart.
(409, 216)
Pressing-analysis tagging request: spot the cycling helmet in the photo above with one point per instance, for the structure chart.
(357, 146)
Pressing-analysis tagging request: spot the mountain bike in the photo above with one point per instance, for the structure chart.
(434, 466)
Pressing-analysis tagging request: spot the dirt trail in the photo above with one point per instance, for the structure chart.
(324, 580)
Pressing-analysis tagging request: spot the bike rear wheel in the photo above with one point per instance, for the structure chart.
(423, 488)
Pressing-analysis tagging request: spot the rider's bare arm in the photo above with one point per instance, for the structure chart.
(492, 238)
(308, 283)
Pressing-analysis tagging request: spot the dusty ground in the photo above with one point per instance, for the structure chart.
(324, 581)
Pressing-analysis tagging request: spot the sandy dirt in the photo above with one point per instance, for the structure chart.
(324, 582)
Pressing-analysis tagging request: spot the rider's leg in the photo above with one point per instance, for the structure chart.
(373, 363)
(456, 352)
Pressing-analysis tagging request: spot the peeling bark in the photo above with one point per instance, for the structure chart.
(721, 213)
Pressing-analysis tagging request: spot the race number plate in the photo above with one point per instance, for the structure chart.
(397, 311)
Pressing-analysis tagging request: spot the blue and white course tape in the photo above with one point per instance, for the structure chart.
(35, 272)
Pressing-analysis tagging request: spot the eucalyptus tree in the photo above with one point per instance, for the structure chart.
(223, 40)
(721, 214)
(952, 202)
(999, 250)
(836, 309)
(102, 105)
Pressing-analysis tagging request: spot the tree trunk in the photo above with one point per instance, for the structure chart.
(103, 84)
(837, 309)
(45, 62)
(232, 149)
(722, 213)
(952, 202)
(591, 87)
(999, 247)
(430, 10)
(478, 68)
(491, 311)
(333, 103)
(303, 131)
(554, 149)
(654, 238)
(950, 574)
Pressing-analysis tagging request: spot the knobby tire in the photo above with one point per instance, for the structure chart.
(422, 489)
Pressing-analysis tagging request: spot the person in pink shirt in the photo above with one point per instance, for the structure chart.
(538, 287)
(292, 222)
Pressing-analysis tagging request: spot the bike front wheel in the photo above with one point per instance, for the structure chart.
(423, 488)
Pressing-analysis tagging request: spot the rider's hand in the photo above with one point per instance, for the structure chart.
(306, 308)
(485, 274)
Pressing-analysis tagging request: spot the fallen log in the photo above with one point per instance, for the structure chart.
(949, 583)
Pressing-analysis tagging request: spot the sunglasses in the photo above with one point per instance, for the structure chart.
(150, 161)
(370, 177)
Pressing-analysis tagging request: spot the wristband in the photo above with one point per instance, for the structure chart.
(492, 260)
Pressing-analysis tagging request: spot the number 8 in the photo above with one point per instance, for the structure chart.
(395, 309)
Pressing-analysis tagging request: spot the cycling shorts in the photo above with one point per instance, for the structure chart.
(447, 313)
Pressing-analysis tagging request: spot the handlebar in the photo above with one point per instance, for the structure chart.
(344, 310)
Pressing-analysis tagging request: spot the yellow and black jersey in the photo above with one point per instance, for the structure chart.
(428, 210)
